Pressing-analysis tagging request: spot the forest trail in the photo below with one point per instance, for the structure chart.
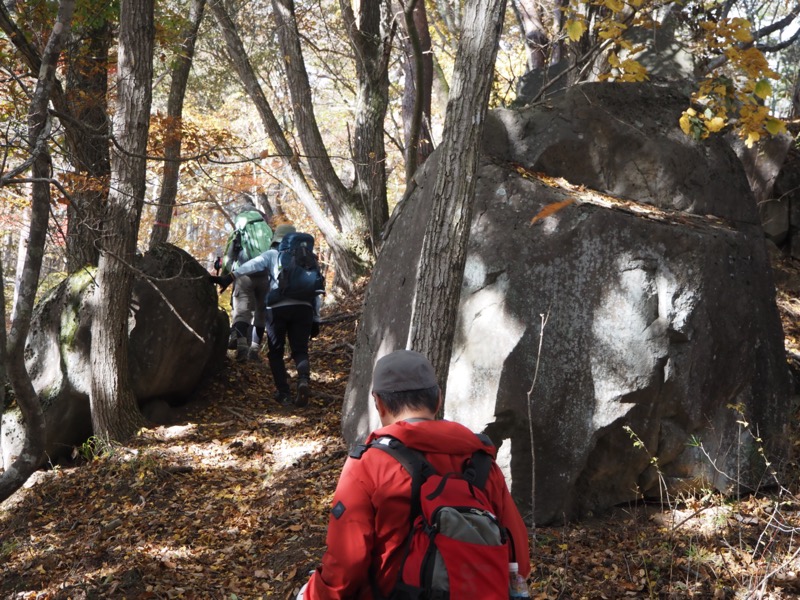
(230, 501)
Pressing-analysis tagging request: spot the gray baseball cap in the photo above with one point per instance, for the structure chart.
(281, 231)
(403, 370)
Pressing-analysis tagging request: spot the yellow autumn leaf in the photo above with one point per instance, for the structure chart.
(615, 5)
(775, 126)
(741, 30)
(763, 89)
(715, 124)
(686, 126)
(575, 29)
(752, 138)
(634, 70)
(613, 59)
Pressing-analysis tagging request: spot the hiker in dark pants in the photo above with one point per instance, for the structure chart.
(251, 236)
(299, 323)
(296, 319)
(250, 306)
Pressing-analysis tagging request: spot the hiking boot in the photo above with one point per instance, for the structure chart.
(283, 398)
(232, 338)
(242, 350)
(303, 393)
(253, 352)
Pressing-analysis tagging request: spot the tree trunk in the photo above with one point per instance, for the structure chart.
(444, 248)
(347, 215)
(115, 415)
(82, 111)
(529, 13)
(173, 135)
(347, 266)
(38, 134)
(87, 141)
(371, 34)
(418, 68)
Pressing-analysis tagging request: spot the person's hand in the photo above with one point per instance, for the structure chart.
(314, 330)
(223, 281)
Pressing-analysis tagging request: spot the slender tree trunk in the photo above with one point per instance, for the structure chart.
(173, 135)
(529, 14)
(444, 248)
(348, 215)
(371, 32)
(347, 266)
(14, 359)
(115, 415)
(418, 68)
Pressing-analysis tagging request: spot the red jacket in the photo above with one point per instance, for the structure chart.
(369, 518)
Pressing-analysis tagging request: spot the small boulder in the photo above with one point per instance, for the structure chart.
(177, 336)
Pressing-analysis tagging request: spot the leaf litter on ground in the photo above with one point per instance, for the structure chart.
(230, 500)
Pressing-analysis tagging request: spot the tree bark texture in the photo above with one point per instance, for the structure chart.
(86, 96)
(418, 68)
(371, 32)
(347, 267)
(173, 136)
(14, 359)
(444, 248)
(115, 414)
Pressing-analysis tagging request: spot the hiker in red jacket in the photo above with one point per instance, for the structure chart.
(369, 520)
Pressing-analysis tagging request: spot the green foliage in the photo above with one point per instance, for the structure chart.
(738, 83)
(96, 448)
(91, 14)
(7, 548)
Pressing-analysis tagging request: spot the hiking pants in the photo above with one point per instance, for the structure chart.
(250, 300)
(294, 321)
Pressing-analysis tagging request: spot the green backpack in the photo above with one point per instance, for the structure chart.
(251, 236)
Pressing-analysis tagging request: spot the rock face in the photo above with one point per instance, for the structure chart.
(639, 318)
(167, 360)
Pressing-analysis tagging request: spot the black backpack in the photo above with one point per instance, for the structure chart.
(298, 273)
(456, 548)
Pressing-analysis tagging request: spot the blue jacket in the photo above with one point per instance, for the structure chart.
(267, 262)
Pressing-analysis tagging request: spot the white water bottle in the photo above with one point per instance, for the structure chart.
(517, 586)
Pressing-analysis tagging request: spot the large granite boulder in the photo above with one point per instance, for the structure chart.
(626, 333)
(177, 336)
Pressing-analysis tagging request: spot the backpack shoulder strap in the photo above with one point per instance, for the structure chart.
(476, 469)
(412, 461)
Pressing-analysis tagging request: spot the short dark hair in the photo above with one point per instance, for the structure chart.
(425, 398)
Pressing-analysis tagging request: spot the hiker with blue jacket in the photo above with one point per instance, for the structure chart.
(293, 304)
